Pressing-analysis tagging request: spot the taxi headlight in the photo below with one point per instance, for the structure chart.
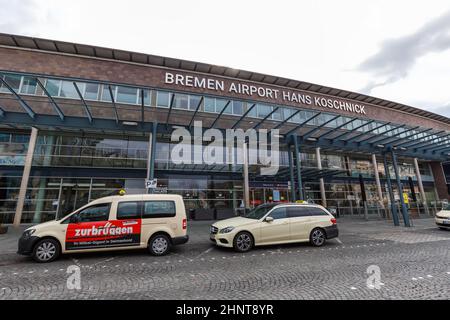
(28, 233)
(226, 230)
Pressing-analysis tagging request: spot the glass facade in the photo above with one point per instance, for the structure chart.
(69, 169)
(64, 177)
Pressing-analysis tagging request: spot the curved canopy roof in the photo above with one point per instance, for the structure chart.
(128, 56)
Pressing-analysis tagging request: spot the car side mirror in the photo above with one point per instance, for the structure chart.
(268, 219)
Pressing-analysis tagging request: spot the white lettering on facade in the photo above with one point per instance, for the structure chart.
(262, 92)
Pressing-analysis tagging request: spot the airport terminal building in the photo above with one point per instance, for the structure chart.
(79, 122)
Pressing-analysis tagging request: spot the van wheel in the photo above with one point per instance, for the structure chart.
(46, 250)
(159, 245)
(243, 242)
(317, 237)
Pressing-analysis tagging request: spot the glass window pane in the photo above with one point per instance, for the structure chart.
(181, 101)
(91, 91)
(126, 95)
(162, 99)
(263, 110)
(193, 102)
(158, 209)
(147, 97)
(287, 112)
(296, 212)
(68, 90)
(210, 104)
(99, 212)
(238, 107)
(29, 85)
(220, 104)
(252, 108)
(229, 109)
(106, 95)
(278, 115)
(13, 81)
(128, 210)
(52, 87)
(279, 213)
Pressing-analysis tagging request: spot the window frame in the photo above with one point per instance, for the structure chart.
(274, 210)
(68, 219)
(140, 208)
(306, 209)
(159, 215)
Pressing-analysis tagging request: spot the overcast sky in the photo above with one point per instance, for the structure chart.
(396, 50)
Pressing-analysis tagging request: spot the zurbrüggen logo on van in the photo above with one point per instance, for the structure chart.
(103, 234)
(106, 230)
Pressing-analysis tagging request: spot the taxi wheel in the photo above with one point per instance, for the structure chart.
(317, 237)
(159, 245)
(243, 242)
(46, 250)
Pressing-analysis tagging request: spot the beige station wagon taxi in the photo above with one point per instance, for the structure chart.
(275, 223)
(148, 221)
(442, 218)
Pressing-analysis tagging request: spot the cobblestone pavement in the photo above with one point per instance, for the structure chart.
(414, 264)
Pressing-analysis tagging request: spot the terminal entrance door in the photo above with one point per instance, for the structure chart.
(260, 196)
(72, 196)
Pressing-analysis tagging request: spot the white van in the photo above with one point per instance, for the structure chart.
(148, 221)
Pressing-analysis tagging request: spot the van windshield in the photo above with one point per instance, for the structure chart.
(259, 211)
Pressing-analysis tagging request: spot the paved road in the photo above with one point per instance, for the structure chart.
(414, 264)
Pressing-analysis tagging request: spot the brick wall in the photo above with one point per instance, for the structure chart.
(47, 63)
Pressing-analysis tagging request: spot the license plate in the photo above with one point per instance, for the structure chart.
(446, 222)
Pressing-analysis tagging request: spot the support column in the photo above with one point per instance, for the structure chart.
(25, 177)
(377, 180)
(391, 192)
(301, 195)
(420, 184)
(46, 162)
(151, 154)
(246, 184)
(321, 181)
(400, 190)
(291, 174)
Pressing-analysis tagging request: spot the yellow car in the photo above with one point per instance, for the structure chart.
(442, 218)
(151, 221)
(271, 224)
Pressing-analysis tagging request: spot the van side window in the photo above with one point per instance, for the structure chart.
(316, 212)
(159, 209)
(279, 213)
(95, 213)
(128, 210)
(297, 212)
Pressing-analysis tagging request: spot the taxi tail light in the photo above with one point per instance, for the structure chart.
(333, 221)
(184, 224)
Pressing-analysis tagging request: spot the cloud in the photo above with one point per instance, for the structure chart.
(16, 16)
(396, 57)
(26, 17)
(443, 110)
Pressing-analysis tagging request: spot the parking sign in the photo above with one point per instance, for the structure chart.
(151, 183)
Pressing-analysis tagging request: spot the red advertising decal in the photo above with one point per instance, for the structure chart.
(102, 234)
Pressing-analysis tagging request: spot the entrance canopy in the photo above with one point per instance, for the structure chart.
(48, 110)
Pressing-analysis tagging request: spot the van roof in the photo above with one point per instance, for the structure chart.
(130, 197)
